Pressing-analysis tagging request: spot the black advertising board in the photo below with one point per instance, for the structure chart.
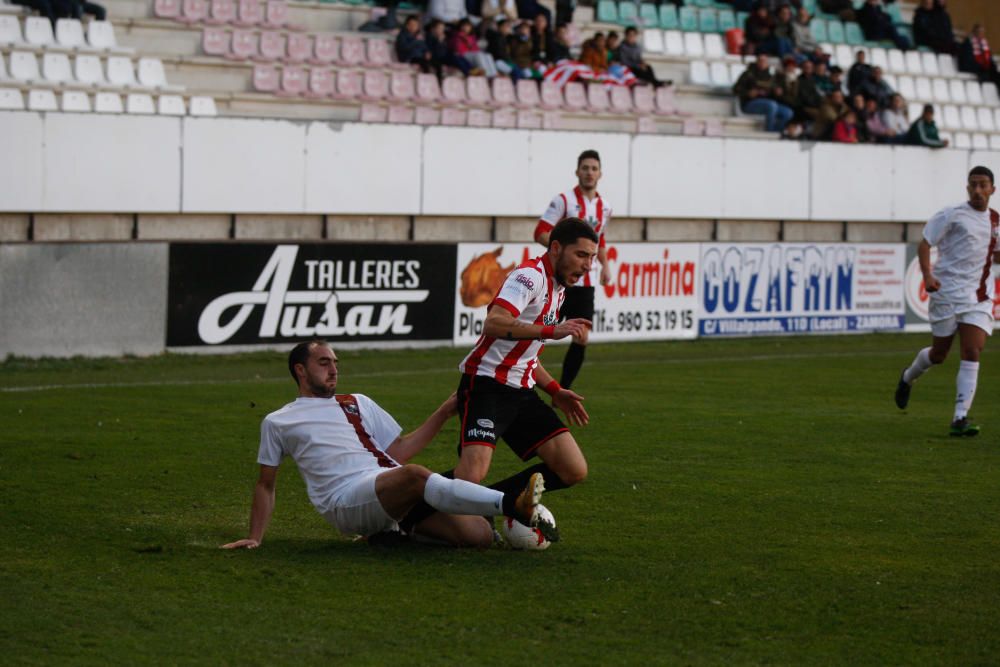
(246, 294)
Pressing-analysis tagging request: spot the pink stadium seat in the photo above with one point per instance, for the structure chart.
(194, 11)
(352, 51)
(248, 14)
(527, 94)
(479, 118)
(666, 102)
(215, 41)
(645, 125)
(503, 92)
(348, 86)
(477, 90)
(529, 120)
(643, 100)
(378, 53)
(320, 83)
(453, 116)
(692, 127)
(551, 120)
(401, 87)
(293, 81)
(597, 98)
(621, 99)
(401, 114)
(576, 96)
(272, 46)
(376, 86)
(506, 118)
(276, 15)
(428, 89)
(221, 11)
(243, 45)
(427, 116)
(167, 9)
(551, 95)
(373, 113)
(300, 47)
(713, 128)
(326, 50)
(265, 78)
(453, 90)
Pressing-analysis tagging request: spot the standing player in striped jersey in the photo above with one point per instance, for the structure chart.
(496, 396)
(586, 203)
(960, 286)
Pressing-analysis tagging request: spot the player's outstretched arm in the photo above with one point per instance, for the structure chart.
(407, 446)
(602, 258)
(260, 510)
(567, 400)
(501, 323)
(931, 284)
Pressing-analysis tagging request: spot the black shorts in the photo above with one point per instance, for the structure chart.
(488, 410)
(579, 302)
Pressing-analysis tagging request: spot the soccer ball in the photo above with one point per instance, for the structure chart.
(519, 536)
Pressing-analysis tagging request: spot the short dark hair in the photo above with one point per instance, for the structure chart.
(631, 28)
(300, 354)
(589, 154)
(981, 171)
(570, 230)
(928, 107)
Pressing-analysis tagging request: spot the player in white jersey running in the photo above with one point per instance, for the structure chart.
(353, 459)
(960, 286)
(586, 203)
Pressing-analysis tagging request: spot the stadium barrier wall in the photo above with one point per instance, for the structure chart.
(148, 164)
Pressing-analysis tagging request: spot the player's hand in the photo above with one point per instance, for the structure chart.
(242, 544)
(605, 274)
(571, 403)
(450, 405)
(574, 327)
(931, 284)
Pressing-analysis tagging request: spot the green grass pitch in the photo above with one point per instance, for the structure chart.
(749, 501)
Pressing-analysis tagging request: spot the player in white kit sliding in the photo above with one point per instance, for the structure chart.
(960, 286)
(352, 457)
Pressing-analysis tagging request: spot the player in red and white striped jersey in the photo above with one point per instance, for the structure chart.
(586, 203)
(960, 286)
(496, 398)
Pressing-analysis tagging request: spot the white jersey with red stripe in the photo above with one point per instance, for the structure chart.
(325, 446)
(965, 239)
(531, 294)
(595, 212)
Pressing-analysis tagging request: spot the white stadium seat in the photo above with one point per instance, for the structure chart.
(956, 90)
(69, 34)
(139, 103)
(969, 119)
(974, 92)
(75, 101)
(913, 64)
(56, 69)
(951, 119)
(694, 47)
(120, 72)
(719, 73)
(891, 80)
(11, 99)
(990, 95)
(42, 100)
(880, 58)
(673, 42)
(924, 91)
(914, 109)
(698, 73)
(907, 88)
(24, 66)
(171, 105)
(897, 62)
(996, 118)
(38, 31)
(984, 118)
(946, 65)
(843, 55)
(108, 103)
(940, 87)
(736, 71)
(101, 35)
(652, 40)
(995, 142)
(980, 142)
(10, 31)
(962, 140)
(151, 74)
(929, 63)
(202, 105)
(87, 70)
(714, 47)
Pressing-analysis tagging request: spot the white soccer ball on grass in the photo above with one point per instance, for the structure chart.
(519, 536)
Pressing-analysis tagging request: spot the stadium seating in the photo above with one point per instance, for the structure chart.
(74, 101)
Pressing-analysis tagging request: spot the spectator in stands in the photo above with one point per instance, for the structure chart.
(560, 44)
(859, 73)
(832, 108)
(463, 44)
(80, 7)
(924, 131)
(613, 43)
(494, 9)
(845, 130)
(759, 95)
(783, 31)
(630, 55)
(529, 9)
(498, 46)
(595, 53)
(808, 97)
(411, 46)
(976, 57)
(844, 9)
(440, 54)
(876, 88)
(760, 37)
(449, 11)
(932, 27)
(802, 36)
(787, 81)
(857, 105)
(822, 77)
(875, 126)
(521, 50)
(564, 12)
(794, 130)
(896, 119)
(53, 10)
(541, 39)
(877, 25)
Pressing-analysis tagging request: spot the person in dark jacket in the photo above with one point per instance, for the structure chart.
(859, 73)
(924, 132)
(560, 44)
(877, 25)
(541, 39)
(411, 46)
(976, 57)
(758, 92)
(932, 27)
(630, 55)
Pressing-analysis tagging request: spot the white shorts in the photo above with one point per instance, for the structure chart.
(357, 511)
(945, 316)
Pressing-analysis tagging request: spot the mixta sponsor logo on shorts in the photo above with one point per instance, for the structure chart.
(255, 293)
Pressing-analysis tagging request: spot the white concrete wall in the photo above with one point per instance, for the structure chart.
(121, 164)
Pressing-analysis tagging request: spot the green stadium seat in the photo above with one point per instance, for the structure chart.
(741, 19)
(810, 6)
(835, 32)
(607, 11)
(853, 33)
(906, 31)
(668, 16)
(650, 17)
(701, 3)
(688, 19)
(893, 10)
(628, 12)
(727, 20)
(708, 20)
(818, 28)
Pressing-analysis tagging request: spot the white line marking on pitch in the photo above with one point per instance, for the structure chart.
(449, 369)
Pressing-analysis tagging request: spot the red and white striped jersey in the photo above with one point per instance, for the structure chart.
(533, 296)
(595, 212)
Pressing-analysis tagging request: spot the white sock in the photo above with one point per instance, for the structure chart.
(919, 366)
(457, 496)
(968, 373)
